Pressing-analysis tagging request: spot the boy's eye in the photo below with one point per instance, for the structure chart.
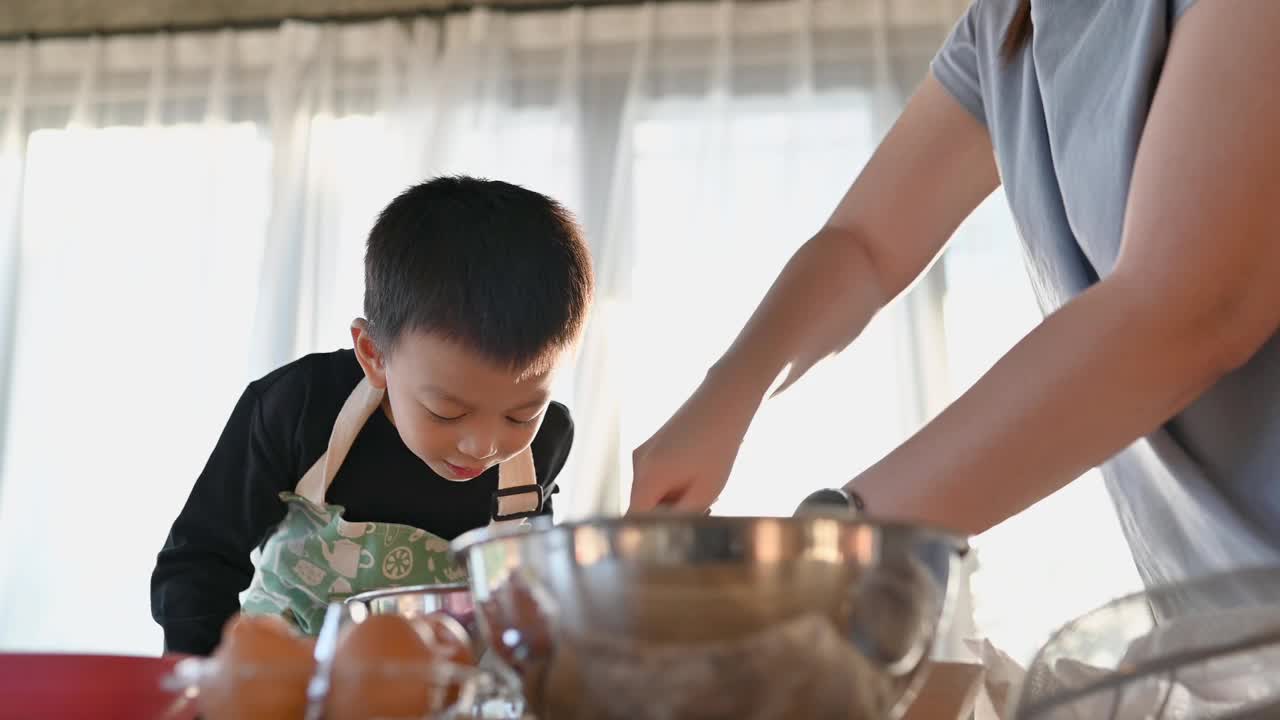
(529, 421)
(443, 418)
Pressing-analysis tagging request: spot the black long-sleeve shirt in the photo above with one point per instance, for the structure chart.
(279, 428)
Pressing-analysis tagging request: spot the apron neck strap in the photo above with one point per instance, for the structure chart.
(355, 412)
(518, 495)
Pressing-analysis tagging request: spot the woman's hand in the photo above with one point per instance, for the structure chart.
(686, 463)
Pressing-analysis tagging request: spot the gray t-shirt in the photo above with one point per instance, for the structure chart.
(1065, 116)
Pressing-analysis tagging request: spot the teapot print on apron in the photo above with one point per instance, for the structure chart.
(316, 557)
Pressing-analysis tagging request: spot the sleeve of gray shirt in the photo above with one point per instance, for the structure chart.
(973, 46)
(957, 64)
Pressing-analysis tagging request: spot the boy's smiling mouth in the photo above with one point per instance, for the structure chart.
(462, 472)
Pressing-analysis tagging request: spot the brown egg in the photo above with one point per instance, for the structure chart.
(380, 670)
(518, 609)
(450, 643)
(447, 638)
(261, 670)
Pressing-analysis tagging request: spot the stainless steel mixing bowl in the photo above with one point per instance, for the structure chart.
(674, 616)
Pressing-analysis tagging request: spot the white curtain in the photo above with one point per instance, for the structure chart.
(180, 214)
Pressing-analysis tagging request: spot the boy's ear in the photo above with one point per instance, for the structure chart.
(371, 359)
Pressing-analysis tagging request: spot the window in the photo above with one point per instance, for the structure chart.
(139, 266)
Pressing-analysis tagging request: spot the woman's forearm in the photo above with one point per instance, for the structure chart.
(822, 300)
(876, 243)
(1105, 370)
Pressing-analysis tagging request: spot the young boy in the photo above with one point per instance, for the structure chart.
(352, 469)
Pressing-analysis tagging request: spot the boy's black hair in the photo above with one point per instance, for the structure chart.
(501, 269)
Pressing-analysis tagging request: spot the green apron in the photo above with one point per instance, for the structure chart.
(316, 557)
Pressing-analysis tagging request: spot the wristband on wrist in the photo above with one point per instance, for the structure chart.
(833, 500)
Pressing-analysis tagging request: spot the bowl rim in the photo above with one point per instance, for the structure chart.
(425, 589)
(472, 539)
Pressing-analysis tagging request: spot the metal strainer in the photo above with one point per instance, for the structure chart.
(1158, 655)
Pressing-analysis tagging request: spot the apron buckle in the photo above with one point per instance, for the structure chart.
(500, 493)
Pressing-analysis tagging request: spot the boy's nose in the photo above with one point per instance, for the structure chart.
(478, 448)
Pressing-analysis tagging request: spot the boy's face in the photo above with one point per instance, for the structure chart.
(457, 411)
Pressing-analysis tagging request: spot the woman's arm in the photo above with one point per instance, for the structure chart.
(1195, 293)
(932, 169)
